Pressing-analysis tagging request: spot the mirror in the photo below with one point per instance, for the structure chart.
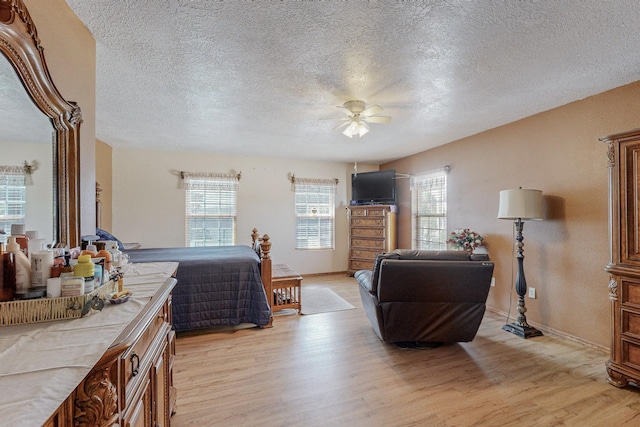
(20, 44)
(26, 136)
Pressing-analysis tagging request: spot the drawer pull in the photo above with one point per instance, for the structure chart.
(162, 316)
(135, 364)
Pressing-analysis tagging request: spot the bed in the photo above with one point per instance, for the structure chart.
(224, 285)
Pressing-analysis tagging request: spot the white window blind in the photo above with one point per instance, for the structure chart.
(12, 198)
(211, 201)
(315, 213)
(429, 209)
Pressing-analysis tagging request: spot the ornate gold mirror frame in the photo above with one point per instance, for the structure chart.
(19, 42)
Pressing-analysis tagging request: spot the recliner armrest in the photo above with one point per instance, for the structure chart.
(364, 279)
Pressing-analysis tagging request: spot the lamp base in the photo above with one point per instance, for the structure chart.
(522, 331)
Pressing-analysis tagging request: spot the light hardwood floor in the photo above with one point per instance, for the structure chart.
(330, 369)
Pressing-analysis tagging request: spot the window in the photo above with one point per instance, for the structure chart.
(429, 210)
(210, 209)
(12, 198)
(315, 213)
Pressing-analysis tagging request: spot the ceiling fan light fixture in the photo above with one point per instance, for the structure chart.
(356, 127)
(363, 129)
(359, 115)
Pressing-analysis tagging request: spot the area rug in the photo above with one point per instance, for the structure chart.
(322, 300)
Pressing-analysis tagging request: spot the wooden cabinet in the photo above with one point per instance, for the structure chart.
(132, 384)
(624, 264)
(372, 229)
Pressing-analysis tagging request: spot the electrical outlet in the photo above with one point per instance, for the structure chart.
(532, 293)
(493, 281)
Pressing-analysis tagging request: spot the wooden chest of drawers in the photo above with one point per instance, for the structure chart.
(372, 229)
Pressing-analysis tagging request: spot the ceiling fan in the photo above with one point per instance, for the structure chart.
(358, 116)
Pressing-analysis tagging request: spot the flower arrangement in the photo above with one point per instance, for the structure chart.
(465, 239)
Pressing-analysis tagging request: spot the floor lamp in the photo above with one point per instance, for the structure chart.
(519, 205)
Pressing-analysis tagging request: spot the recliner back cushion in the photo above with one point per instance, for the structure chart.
(432, 255)
(376, 268)
(423, 281)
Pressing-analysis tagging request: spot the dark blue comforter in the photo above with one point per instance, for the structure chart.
(216, 285)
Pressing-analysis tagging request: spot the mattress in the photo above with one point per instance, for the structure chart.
(216, 285)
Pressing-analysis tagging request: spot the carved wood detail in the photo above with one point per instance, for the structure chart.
(613, 289)
(266, 273)
(97, 399)
(615, 378)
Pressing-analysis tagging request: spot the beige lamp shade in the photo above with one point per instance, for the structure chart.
(520, 203)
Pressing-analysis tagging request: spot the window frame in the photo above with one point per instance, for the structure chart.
(322, 235)
(12, 182)
(438, 213)
(214, 192)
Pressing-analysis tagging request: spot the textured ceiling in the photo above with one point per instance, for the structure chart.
(20, 120)
(259, 77)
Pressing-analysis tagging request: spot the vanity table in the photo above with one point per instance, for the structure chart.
(113, 367)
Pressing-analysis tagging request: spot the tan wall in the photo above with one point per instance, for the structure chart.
(557, 152)
(70, 53)
(104, 162)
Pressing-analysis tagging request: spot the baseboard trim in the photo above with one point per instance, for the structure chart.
(323, 274)
(555, 332)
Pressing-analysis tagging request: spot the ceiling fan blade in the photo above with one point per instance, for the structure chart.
(378, 119)
(346, 123)
(371, 111)
(349, 114)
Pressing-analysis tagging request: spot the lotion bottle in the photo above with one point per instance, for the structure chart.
(23, 266)
(22, 239)
(85, 269)
(103, 252)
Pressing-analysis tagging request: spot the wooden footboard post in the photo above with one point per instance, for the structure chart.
(265, 272)
(254, 237)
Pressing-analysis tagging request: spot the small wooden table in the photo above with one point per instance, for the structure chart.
(285, 283)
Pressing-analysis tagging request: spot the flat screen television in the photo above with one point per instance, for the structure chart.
(373, 188)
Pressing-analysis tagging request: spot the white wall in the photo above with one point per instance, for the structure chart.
(148, 205)
(39, 194)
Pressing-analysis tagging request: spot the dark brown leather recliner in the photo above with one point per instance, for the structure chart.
(426, 296)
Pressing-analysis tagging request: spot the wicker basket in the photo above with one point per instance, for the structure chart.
(50, 309)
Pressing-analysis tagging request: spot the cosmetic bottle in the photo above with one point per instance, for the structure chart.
(90, 250)
(104, 253)
(85, 268)
(23, 266)
(7, 274)
(17, 230)
(58, 264)
(54, 287)
(41, 263)
(97, 275)
(36, 245)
